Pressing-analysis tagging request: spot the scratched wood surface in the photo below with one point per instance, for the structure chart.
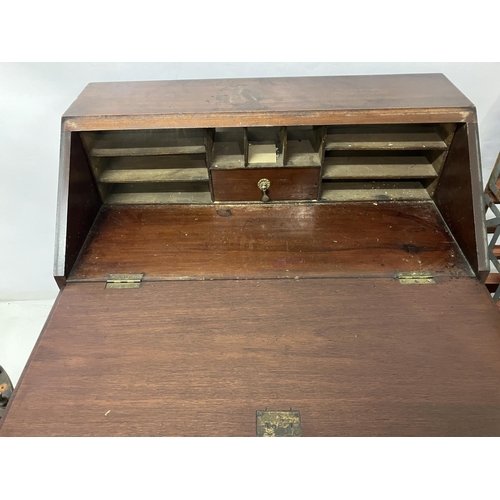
(425, 98)
(355, 357)
(269, 241)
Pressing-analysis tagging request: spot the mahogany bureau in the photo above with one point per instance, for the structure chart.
(282, 256)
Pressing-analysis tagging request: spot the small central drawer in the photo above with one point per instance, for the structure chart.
(242, 184)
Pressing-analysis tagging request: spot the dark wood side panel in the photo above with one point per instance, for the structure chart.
(269, 101)
(483, 267)
(458, 196)
(286, 184)
(355, 357)
(77, 207)
(269, 241)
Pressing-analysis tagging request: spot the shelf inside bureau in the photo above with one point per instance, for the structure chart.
(158, 193)
(373, 191)
(385, 137)
(153, 142)
(376, 166)
(149, 166)
(189, 168)
(356, 162)
(384, 162)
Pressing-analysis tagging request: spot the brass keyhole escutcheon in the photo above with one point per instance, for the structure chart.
(264, 185)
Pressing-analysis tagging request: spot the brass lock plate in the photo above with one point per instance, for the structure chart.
(278, 424)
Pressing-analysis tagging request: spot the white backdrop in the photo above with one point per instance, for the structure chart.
(33, 97)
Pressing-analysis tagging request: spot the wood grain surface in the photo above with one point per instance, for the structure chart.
(269, 241)
(425, 98)
(459, 197)
(355, 357)
(77, 206)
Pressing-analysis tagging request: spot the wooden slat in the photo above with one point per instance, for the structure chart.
(391, 167)
(149, 142)
(155, 175)
(159, 192)
(373, 191)
(158, 198)
(187, 168)
(384, 138)
(142, 151)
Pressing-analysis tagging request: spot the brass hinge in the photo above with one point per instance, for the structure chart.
(124, 281)
(416, 278)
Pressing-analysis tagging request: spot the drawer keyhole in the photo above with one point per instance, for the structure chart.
(264, 185)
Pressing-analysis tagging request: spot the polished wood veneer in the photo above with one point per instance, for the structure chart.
(355, 357)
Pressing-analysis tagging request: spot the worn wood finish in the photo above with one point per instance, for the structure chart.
(378, 167)
(385, 138)
(154, 169)
(159, 193)
(200, 358)
(143, 143)
(425, 98)
(286, 184)
(154, 175)
(271, 241)
(302, 153)
(458, 196)
(228, 148)
(304, 146)
(373, 191)
(77, 206)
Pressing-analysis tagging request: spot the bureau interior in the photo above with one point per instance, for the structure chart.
(344, 200)
(355, 163)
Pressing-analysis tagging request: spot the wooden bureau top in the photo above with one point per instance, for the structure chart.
(324, 100)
